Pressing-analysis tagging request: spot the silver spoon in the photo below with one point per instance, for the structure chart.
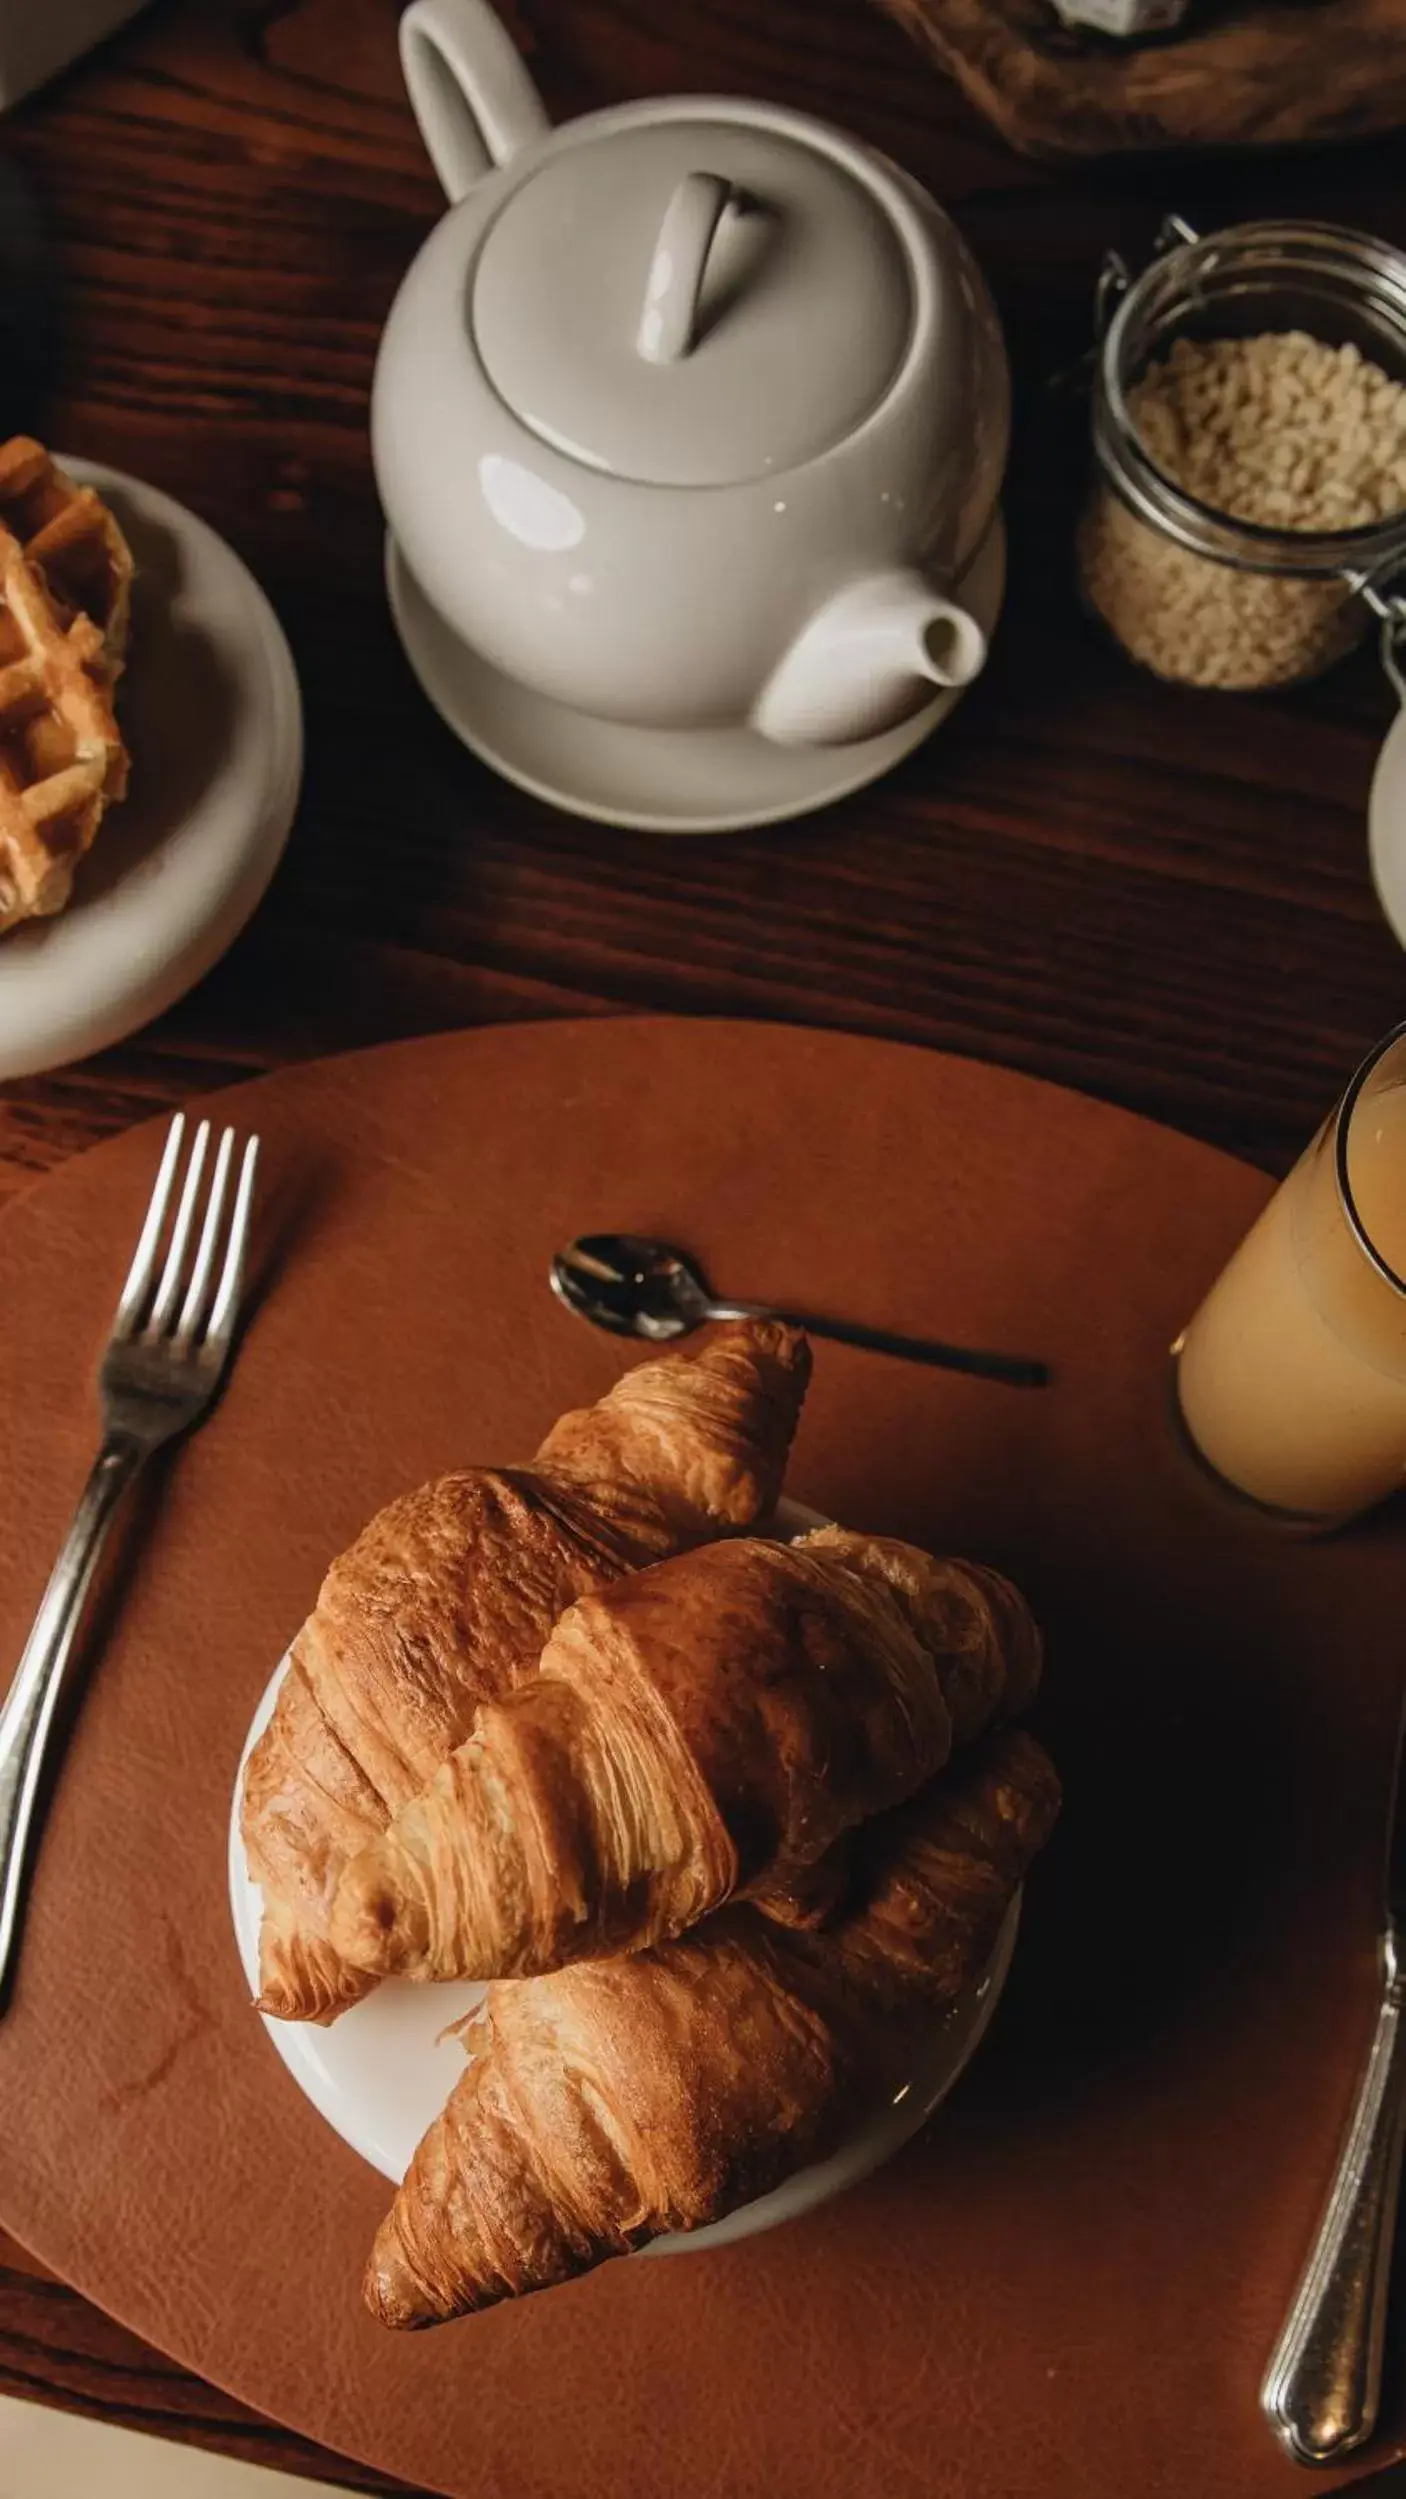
(636, 1287)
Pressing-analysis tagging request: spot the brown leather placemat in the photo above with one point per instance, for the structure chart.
(1066, 2288)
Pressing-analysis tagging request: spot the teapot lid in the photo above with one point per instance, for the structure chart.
(694, 300)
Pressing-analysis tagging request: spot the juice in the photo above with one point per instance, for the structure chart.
(1292, 1375)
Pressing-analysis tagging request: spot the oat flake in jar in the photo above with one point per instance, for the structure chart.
(1248, 510)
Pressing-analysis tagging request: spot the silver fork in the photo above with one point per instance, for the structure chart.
(165, 1357)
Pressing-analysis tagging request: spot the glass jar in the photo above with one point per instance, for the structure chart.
(1190, 591)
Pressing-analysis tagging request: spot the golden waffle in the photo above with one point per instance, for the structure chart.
(68, 531)
(61, 753)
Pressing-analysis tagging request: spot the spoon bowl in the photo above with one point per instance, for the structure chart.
(633, 1286)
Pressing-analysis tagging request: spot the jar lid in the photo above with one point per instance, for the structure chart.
(692, 302)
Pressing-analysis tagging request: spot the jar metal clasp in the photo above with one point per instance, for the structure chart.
(1114, 279)
(1389, 608)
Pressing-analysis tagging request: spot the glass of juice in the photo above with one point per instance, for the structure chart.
(1291, 1378)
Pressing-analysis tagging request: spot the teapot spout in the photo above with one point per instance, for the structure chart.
(867, 660)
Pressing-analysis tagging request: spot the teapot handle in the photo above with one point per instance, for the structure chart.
(472, 97)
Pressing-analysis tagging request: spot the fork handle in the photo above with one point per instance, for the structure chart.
(28, 1712)
(1322, 2386)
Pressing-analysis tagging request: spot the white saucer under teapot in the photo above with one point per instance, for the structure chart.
(690, 418)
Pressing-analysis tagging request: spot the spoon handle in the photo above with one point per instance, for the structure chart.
(1015, 1370)
(1323, 2383)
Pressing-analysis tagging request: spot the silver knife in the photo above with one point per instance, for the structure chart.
(1323, 2383)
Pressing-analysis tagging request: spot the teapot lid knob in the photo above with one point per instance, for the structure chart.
(675, 281)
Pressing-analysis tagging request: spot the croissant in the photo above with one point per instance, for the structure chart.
(446, 1599)
(619, 2099)
(709, 1725)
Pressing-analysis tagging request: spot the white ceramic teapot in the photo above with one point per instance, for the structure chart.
(691, 415)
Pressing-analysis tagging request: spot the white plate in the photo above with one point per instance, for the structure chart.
(653, 780)
(209, 707)
(383, 2072)
(1386, 820)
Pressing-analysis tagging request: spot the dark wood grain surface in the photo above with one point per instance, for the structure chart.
(1251, 73)
(1160, 897)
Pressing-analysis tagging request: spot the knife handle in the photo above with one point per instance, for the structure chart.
(1322, 2386)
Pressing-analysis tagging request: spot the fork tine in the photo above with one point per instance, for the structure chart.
(139, 1274)
(223, 1316)
(170, 1284)
(198, 1289)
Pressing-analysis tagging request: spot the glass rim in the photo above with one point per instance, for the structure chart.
(1342, 1124)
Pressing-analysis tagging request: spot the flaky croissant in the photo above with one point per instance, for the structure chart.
(619, 2099)
(705, 1727)
(447, 1597)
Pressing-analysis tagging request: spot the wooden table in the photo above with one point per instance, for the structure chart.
(1158, 896)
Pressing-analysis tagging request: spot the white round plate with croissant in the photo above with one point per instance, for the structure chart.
(700, 1815)
(382, 2072)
